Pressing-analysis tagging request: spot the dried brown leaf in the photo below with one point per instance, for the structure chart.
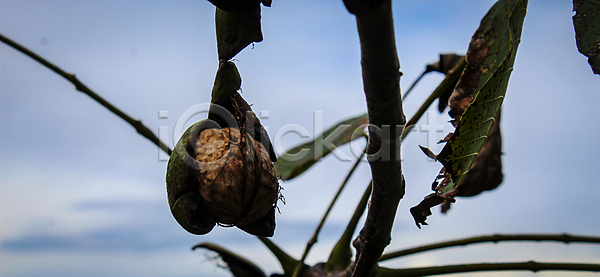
(446, 63)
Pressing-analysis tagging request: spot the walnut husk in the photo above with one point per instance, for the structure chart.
(236, 178)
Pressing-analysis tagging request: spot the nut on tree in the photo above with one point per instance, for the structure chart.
(221, 170)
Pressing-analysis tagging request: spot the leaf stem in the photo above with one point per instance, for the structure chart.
(450, 79)
(341, 255)
(136, 123)
(413, 85)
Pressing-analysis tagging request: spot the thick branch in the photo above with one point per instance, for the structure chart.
(381, 79)
(566, 238)
(464, 268)
(136, 123)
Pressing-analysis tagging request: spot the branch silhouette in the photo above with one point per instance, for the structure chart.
(566, 238)
(136, 123)
(381, 83)
(464, 268)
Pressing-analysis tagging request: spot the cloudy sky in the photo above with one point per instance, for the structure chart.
(82, 194)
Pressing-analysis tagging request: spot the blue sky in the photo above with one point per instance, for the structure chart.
(81, 194)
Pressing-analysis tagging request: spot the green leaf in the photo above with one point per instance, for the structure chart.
(238, 266)
(300, 158)
(477, 98)
(288, 264)
(472, 131)
(587, 30)
(236, 30)
(490, 47)
(227, 82)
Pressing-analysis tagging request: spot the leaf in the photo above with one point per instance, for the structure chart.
(486, 172)
(448, 83)
(236, 30)
(238, 266)
(477, 98)
(288, 264)
(428, 152)
(227, 82)
(227, 102)
(446, 65)
(447, 62)
(587, 30)
(489, 48)
(423, 210)
(472, 131)
(300, 158)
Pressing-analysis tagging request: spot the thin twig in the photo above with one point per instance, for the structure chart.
(566, 238)
(413, 85)
(341, 254)
(136, 123)
(464, 268)
(313, 240)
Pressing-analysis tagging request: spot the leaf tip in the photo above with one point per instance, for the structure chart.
(428, 152)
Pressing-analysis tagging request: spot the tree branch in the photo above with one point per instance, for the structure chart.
(464, 268)
(566, 238)
(136, 123)
(381, 80)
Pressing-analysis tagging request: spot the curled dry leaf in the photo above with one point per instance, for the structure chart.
(423, 210)
(446, 63)
(239, 266)
(587, 30)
